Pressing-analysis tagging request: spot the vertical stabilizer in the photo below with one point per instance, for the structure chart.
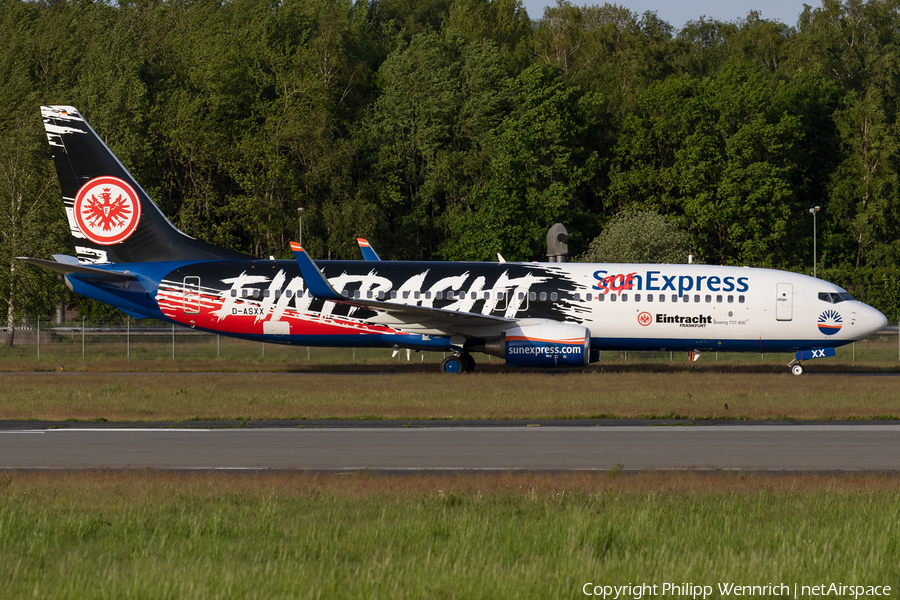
(111, 217)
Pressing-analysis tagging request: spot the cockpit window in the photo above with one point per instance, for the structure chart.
(835, 297)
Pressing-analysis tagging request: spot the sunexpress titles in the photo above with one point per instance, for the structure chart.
(655, 281)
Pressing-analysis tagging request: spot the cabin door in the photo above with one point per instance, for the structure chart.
(784, 301)
(191, 295)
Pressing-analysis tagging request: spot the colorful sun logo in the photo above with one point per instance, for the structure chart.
(830, 322)
(107, 210)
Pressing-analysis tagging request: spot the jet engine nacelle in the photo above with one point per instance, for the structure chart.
(542, 344)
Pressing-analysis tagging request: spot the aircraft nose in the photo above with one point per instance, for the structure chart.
(875, 321)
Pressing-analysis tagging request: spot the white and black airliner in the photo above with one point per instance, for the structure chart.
(129, 255)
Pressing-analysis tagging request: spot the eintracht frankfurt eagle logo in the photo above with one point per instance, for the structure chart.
(107, 210)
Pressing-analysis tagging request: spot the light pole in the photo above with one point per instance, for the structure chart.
(300, 223)
(813, 212)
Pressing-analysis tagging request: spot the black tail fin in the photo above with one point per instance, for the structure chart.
(111, 217)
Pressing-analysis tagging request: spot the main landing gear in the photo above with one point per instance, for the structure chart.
(458, 363)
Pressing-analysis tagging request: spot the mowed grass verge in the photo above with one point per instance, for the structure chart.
(258, 396)
(299, 535)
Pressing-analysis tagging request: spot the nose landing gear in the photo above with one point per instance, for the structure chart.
(796, 365)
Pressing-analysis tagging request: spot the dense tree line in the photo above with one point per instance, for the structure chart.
(456, 129)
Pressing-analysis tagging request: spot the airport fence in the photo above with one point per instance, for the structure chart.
(148, 340)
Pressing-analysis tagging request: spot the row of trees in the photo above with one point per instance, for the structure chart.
(456, 129)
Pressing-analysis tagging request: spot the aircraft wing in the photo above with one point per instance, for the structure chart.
(367, 250)
(76, 268)
(419, 319)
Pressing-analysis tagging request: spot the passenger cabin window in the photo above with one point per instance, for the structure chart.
(576, 297)
(439, 295)
(730, 299)
(686, 298)
(719, 299)
(289, 293)
(674, 297)
(662, 297)
(532, 296)
(381, 294)
(554, 296)
(416, 295)
(474, 295)
(590, 297)
(521, 295)
(393, 294)
(234, 293)
(649, 297)
(369, 294)
(405, 295)
(741, 299)
(356, 294)
(708, 298)
(612, 297)
(637, 297)
(696, 297)
(428, 295)
(543, 296)
(450, 295)
(600, 297)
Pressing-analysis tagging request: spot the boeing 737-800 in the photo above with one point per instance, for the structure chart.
(129, 255)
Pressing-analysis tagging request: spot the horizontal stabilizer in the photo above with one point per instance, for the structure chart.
(69, 268)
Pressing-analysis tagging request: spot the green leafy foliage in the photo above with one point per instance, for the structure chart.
(456, 129)
(636, 236)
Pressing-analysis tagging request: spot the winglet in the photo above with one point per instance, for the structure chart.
(367, 250)
(313, 277)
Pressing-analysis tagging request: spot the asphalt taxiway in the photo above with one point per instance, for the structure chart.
(455, 446)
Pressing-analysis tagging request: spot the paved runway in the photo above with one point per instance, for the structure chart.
(769, 447)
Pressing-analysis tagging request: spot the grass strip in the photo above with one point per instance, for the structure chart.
(214, 535)
(258, 396)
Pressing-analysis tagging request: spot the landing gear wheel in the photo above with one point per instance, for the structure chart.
(797, 369)
(452, 364)
(468, 362)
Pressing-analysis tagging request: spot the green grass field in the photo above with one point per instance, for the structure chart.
(170, 535)
(153, 350)
(283, 382)
(500, 395)
(145, 534)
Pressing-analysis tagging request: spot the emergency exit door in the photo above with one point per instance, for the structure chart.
(784, 301)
